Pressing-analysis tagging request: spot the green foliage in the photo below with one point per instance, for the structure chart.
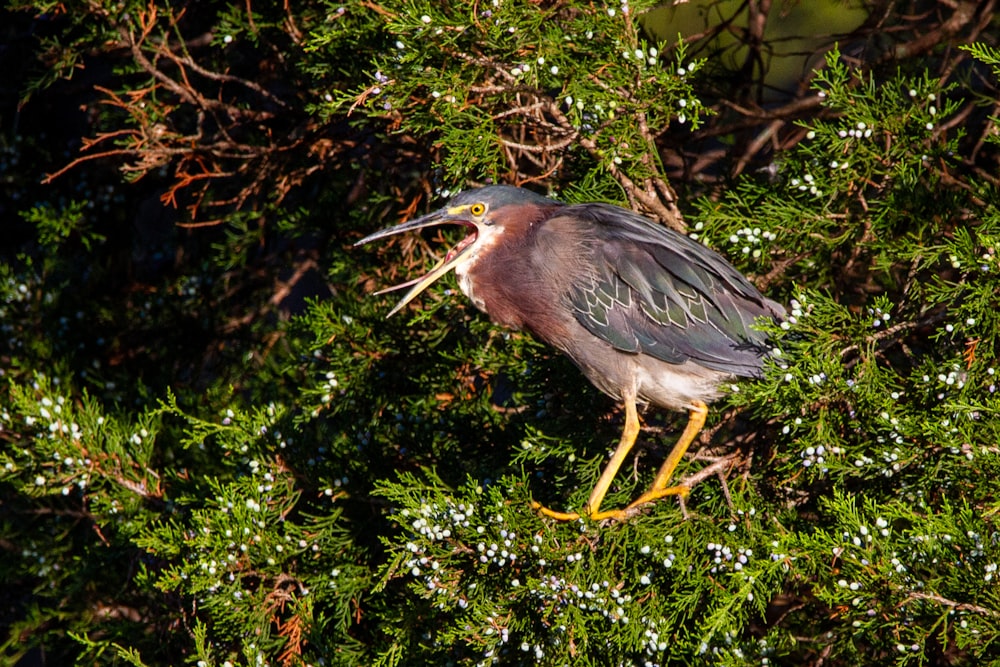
(215, 450)
(487, 82)
(56, 226)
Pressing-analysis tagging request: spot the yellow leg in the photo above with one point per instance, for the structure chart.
(658, 489)
(593, 506)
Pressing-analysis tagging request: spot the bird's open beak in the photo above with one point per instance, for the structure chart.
(418, 285)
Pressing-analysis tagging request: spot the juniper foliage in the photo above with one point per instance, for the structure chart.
(215, 450)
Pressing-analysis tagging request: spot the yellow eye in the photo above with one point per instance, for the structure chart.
(477, 209)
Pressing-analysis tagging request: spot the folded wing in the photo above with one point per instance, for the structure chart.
(656, 292)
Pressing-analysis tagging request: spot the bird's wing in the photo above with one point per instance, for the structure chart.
(656, 292)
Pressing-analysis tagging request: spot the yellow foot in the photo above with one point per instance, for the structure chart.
(558, 516)
(614, 515)
(681, 490)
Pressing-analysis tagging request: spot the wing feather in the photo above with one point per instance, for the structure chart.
(656, 292)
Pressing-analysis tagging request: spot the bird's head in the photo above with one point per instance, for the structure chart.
(484, 212)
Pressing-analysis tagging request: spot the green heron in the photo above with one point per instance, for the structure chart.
(649, 315)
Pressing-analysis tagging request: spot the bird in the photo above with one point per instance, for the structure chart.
(649, 315)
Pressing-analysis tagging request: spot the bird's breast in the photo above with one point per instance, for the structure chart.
(516, 294)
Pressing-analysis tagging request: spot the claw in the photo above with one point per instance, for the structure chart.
(627, 512)
(553, 514)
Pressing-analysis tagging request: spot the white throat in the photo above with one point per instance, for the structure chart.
(487, 236)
